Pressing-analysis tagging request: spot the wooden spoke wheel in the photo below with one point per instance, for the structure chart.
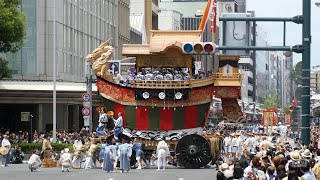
(193, 151)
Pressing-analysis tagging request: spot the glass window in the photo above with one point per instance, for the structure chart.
(69, 64)
(64, 37)
(64, 62)
(69, 39)
(65, 9)
(81, 45)
(76, 42)
(81, 20)
(86, 22)
(76, 17)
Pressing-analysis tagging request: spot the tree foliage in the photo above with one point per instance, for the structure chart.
(5, 72)
(270, 102)
(295, 74)
(286, 109)
(12, 31)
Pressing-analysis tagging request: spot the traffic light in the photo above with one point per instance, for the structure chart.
(198, 47)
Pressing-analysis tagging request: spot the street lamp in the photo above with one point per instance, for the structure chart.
(317, 3)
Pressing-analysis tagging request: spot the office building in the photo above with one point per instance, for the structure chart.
(80, 27)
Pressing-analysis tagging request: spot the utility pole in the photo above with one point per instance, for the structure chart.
(306, 40)
(54, 74)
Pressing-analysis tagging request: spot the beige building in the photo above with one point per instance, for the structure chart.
(144, 17)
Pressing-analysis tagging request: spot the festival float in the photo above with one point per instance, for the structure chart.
(166, 97)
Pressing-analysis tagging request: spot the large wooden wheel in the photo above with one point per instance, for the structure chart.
(193, 151)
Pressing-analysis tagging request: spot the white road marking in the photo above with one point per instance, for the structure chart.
(181, 179)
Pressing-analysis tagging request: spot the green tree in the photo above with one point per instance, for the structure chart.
(270, 102)
(295, 74)
(12, 31)
(286, 109)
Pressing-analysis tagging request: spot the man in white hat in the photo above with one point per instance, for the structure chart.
(6, 144)
(65, 160)
(307, 155)
(294, 157)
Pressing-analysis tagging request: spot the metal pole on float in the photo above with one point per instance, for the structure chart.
(89, 90)
(54, 74)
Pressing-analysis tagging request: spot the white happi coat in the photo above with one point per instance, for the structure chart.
(162, 153)
(66, 160)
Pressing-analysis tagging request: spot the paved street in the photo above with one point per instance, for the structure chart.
(22, 172)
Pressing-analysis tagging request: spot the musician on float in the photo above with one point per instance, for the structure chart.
(118, 123)
(103, 119)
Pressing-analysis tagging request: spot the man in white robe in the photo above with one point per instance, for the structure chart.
(66, 160)
(162, 153)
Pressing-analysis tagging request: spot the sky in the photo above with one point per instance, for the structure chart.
(274, 30)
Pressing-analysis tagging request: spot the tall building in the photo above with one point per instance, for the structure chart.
(287, 82)
(80, 26)
(276, 67)
(170, 20)
(144, 17)
(262, 66)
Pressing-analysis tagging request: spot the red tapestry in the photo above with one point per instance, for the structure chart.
(190, 116)
(116, 92)
(142, 118)
(227, 92)
(166, 118)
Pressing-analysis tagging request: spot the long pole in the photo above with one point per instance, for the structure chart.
(89, 90)
(306, 39)
(254, 96)
(54, 108)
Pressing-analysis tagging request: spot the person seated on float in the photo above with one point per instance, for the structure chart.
(168, 76)
(186, 76)
(130, 77)
(177, 76)
(103, 119)
(159, 77)
(118, 123)
(122, 83)
(149, 76)
(140, 76)
(117, 77)
(201, 74)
